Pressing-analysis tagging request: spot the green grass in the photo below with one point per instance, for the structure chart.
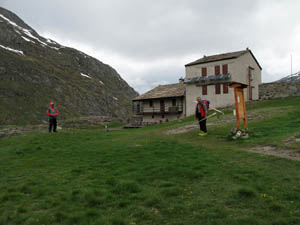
(143, 176)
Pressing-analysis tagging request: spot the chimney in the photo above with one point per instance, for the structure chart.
(181, 80)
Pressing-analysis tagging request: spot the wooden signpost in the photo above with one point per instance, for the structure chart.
(240, 107)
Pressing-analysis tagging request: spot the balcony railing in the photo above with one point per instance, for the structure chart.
(158, 110)
(213, 79)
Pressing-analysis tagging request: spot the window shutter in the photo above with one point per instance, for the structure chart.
(204, 72)
(217, 70)
(204, 90)
(225, 88)
(225, 69)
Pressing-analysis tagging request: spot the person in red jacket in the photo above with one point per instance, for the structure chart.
(52, 112)
(201, 113)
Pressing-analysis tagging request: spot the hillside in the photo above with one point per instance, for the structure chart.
(291, 78)
(35, 70)
(146, 176)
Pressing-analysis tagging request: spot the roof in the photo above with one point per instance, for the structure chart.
(163, 91)
(224, 56)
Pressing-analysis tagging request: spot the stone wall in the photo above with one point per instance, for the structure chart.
(278, 90)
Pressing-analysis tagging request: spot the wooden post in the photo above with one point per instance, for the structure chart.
(240, 107)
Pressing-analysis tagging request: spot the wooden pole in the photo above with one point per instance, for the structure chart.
(237, 114)
(240, 106)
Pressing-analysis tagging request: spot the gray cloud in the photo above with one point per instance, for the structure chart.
(146, 32)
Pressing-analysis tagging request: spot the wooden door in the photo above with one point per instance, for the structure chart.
(162, 106)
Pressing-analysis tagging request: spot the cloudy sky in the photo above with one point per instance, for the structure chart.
(149, 42)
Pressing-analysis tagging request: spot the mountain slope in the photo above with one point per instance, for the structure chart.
(291, 78)
(35, 70)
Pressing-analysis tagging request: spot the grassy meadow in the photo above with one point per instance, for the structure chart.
(146, 177)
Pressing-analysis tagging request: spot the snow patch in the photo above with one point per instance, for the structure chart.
(84, 75)
(51, 41)
(18, 32)
(26, 31)
(12, 50)
(115, 98)
(28, 40)
(12, 23)
(54, 48)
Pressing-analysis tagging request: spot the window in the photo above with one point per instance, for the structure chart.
(204, 72)
(173, 102)
(217, 70)
(150, 103)
(218, 89)
(204, 90)
(225, 88)
(225, 69)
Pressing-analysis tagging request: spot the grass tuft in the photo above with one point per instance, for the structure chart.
(246, 192)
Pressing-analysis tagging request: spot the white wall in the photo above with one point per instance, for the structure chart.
(241, 73)
(195, 70)
(220, 100)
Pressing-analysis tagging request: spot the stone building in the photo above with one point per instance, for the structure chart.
(163, 103)
(210, 77)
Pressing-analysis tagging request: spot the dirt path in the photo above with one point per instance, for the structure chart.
(287, 153)
(16, 131)
(291, 149)
(254, 115)
(43, 128)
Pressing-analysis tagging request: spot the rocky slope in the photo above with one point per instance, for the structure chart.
(35, 70)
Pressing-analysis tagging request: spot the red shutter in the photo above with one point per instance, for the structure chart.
(225, 69)
(204, 90)
(225, 88)
(204, 72)
(218, 89)
(217, 70)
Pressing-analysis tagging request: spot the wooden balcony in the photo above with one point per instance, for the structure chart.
(158, 110)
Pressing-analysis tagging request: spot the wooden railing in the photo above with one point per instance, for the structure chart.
(156, 110)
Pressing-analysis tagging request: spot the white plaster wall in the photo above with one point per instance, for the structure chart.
(196, 70)
(242, 65)
(220, 100)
